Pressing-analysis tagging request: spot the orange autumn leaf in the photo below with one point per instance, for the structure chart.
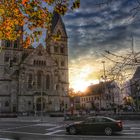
(24, 1)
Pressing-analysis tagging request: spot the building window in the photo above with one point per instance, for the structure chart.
(57, 87)
(62, 49)
(6, 104)
(39, 63)
(14, 59)
(7, 43)
(62, 63)
(63, 89)
(47, 81)
(56, 49)
(30, 79)
(59, 35)
(24, 55)
(16, 44)
(39, 79)
(48, 50)
(6, 58)
(40, 53)
(29, 103)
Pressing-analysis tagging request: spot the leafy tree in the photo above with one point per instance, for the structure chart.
(32, 14)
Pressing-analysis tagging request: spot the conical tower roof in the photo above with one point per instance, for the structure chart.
(55, 19)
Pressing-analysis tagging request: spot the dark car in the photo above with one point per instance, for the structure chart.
(97, 124)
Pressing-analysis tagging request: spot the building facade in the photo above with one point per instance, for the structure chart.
(135, 89)
(35, 79)
(104, 95)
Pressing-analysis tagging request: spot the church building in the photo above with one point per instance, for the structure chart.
(35, 79)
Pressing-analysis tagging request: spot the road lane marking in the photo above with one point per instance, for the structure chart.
(57, 131)
(46, 124)
(13, 132)
(129, 133)
(135, 128)
(17, 127)
(52, 128)
(6, 139)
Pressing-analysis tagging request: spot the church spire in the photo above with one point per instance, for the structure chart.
(55, 20)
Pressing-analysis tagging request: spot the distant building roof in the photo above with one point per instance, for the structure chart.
(99, 88)
(94, 89)
(137, 73)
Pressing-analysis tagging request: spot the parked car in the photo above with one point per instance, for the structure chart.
(97, 124)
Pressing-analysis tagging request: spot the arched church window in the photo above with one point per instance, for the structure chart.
(62, 63)
(39, 53)
(57, 87)
(15, 59)
(39, 78)
(7, 43)
(6, 104)
(30, 79)
(34, 62)
(59, 33)
(62, 49)
(15, 44)
(47, 81)
(6, 57)
(56, 49)
(57, 63)
(29, 103)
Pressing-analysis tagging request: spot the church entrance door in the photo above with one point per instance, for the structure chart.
(40, 102)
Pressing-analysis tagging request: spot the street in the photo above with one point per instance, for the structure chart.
(37, 130)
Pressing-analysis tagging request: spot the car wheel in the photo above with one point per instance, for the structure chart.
(72, 130)
(108, 131)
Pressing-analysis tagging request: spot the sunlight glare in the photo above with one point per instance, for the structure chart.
(81, 85)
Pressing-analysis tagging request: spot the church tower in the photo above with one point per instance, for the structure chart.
(58, 50)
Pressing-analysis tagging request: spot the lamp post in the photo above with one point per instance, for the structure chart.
(137, 97)
(42, 97)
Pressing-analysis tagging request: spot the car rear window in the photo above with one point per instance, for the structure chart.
(103, 120)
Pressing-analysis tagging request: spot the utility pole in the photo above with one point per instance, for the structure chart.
(104, 69)
(104, 78)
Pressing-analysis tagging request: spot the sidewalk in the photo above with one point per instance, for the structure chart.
(47, 119)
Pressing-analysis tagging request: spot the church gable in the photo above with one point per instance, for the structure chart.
(39, 57)
(59, 30)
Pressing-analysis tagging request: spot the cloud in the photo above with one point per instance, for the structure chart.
(93, 29)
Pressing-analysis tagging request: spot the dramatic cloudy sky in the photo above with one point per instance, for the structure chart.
(92, 30)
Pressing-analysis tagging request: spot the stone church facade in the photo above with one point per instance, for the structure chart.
(35, 79)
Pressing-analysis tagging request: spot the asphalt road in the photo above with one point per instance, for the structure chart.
(21, 130)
